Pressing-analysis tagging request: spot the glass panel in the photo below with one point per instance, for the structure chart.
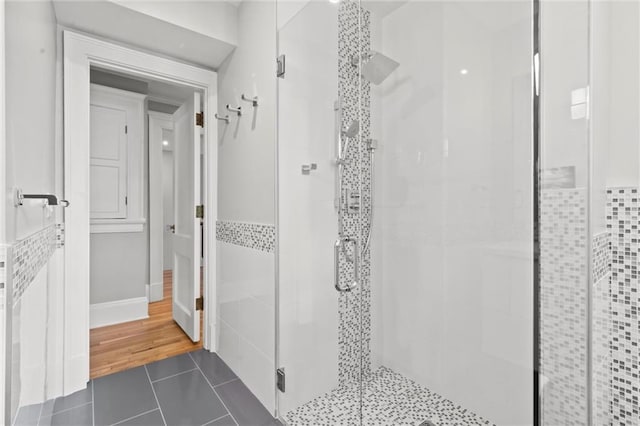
(320, 327)
(564, 221)
(451, 250)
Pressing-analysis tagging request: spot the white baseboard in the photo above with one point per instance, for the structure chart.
(110, 313)
(155, 292)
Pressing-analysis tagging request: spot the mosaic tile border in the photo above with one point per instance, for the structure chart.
(30, 255)
(388, 398)
(354, 308)
(601, 256)
(251, 235)
(563, 305)
(623, 222)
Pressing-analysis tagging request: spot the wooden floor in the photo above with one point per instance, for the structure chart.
(132, 344)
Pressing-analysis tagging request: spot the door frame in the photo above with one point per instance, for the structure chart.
(80, 53)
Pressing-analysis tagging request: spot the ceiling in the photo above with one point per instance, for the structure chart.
(182, 38)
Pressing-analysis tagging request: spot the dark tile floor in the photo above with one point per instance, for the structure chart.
(193, 389)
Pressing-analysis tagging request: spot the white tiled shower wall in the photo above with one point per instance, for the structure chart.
(452, 291)
(246, 204)
(246, 304)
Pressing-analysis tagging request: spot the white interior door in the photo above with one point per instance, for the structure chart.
(186, 237)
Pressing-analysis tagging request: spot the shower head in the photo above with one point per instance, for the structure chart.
(376, 67)
(352, 130)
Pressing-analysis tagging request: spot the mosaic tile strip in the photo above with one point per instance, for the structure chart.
(60, 229)
(354, 308)
(563, 306)
(29, 256)
(601, 329)
(388, 399)
(252, 235)
(601, 248)
(623, 222)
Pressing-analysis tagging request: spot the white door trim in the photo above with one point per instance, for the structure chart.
(80, 53)
(6, 387)
(157, 122)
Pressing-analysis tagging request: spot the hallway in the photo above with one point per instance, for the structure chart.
(123, 346)
(191, 389)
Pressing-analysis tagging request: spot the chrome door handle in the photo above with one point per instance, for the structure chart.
(356, 263)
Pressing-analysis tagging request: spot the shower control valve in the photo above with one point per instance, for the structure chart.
(352, 201)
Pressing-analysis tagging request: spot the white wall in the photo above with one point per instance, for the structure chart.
(215, 19)
(452, 238)
(624, 66)
(246, 147)
(32, 84)
(246, 329)
(565, 66)
(119, 266)
(246, 175)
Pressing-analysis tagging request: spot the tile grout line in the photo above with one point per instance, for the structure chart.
(228, 381)
(173, 375)
(155, 396)
(215, 420)
(214, 390)
(40, 413)
(67, 409)
(136, 416)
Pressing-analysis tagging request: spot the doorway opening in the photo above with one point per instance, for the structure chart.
(146, 243)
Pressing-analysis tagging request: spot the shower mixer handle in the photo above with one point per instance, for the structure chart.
(356, 265)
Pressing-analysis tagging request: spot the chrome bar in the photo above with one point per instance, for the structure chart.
(254, 100)
(336, 264)
(237, 110)
(225, 118)
(339, 244)
(51, 199)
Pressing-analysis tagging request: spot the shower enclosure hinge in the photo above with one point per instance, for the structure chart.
(200, 303)
(281, 61)
(280, 378)
(200, 119)
(200, 211)
(126, 129)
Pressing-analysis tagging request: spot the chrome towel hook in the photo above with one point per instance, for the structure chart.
(254, 100)
(225, 118)
(236, 110)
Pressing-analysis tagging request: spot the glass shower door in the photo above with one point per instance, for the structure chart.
(318, 261)
(452, 292)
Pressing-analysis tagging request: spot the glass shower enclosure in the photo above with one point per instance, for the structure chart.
(405, 212)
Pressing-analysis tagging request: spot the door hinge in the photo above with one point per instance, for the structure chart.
(200, 211)
(126, 129)
(281, 61)
(200, 303)
(280, 379)
(126, 201)
(200, 119)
